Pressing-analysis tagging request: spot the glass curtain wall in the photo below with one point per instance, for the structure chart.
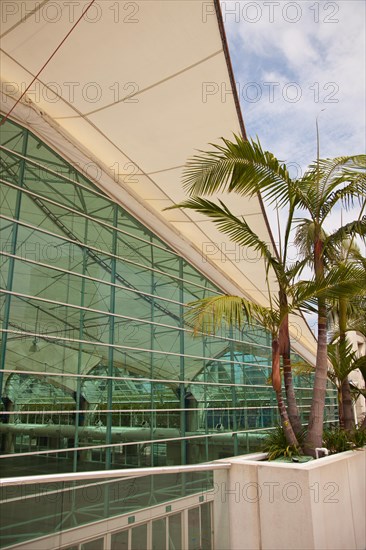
(98, 368)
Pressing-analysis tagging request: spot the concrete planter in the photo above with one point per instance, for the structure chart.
(317, 505)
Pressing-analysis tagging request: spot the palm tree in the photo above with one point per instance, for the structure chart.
(357, 322)
(208, 314)
(240, 232)
(243, 167)
(325, 184)
(342, 311)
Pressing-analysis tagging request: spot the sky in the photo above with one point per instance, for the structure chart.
(294, 62)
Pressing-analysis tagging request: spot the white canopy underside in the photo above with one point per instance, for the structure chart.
(129, 91)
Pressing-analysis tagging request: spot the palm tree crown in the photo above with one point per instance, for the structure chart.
(244, 168)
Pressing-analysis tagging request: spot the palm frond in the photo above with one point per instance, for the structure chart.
(351, 229)
(209, 314)
(236, 229)
(342, 359)
(342, 281)
(346, 196)
(333, 171)
(329, 181)
(238, 166)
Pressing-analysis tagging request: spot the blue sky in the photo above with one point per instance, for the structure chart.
(294, 61)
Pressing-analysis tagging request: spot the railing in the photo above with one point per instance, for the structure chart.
(106, 474)
(49, 510)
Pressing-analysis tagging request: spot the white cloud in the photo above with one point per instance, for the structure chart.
(325, 60)
(323, 54)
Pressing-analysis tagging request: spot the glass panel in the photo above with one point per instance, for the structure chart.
(8, 197)
(194, 540)
(119, 541)
(139, 537)
(97, 371)
(175, 532)
(97, 544)
(11, 137)
(159, 534)
(206, 526)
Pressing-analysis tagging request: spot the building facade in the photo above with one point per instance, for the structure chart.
(99, 368)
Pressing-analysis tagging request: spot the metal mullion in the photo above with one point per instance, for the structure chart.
(11, 262)
(21, 130)
(101, 312)
(58, 174)
(200, 523)
(133, 349)
(79, 192)
(167, 531)
(143, 379)
(148, 532)
(74, 411)
(51, 186)
(182, 377)
(133, 443)
(100, 251)
(152, 345)
(97, 220)
(233, 394)
(80, 352)
(184, 532)
(49, 313)
(207, 450)
(8, 167)
(111, 342)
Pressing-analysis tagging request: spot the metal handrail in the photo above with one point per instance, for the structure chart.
(106, 474)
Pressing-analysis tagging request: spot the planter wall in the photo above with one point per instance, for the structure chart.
(267, 505)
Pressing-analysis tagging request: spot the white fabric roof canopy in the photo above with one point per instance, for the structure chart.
(129, 91)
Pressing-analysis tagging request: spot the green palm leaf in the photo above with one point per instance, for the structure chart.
(209, 314)
(235, 228)
(237, 166)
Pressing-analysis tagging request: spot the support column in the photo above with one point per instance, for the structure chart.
(112, 307)
(182, 389)
(79, 401)
(233, 393)
(14, 238)
(7, 443)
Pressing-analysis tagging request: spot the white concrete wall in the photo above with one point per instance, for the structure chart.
(318, 505)
(358, 342)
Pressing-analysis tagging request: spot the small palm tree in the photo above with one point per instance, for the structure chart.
(344, 361)
(325, 184)
(342, 312)
(242, 167)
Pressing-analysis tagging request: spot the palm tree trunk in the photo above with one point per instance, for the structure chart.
(340, 407)
(285, 422)
(293, 411)
(348, 416)
(314, 437)
(285, 350)
(276, 382)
